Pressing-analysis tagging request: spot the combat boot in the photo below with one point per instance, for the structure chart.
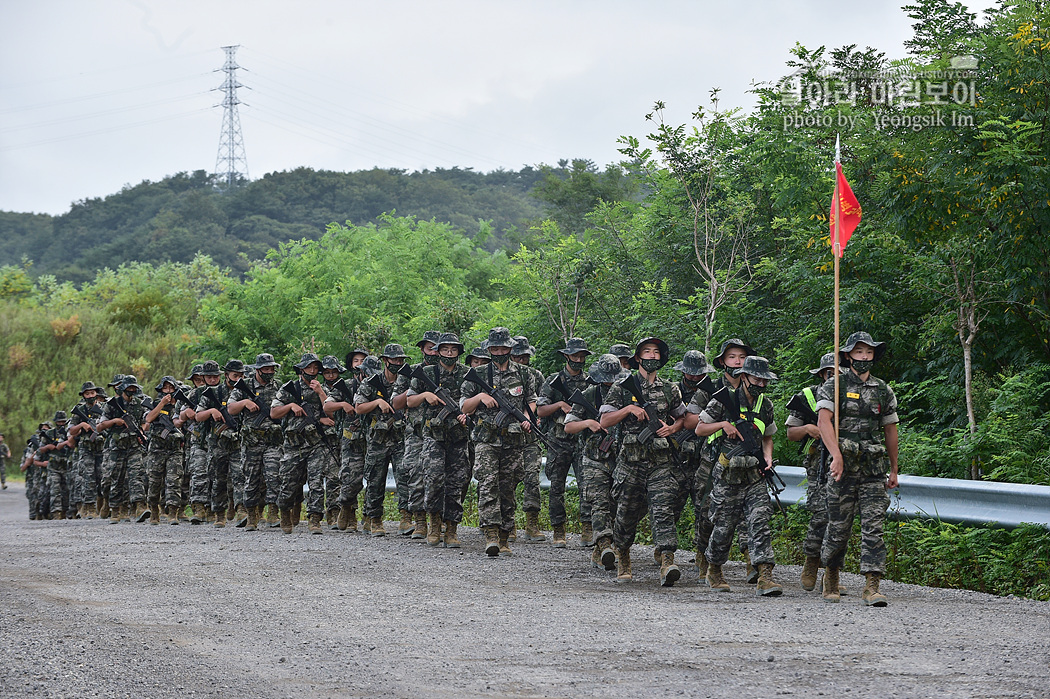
(451, 540)
(253, 518)
(405, 526)
(273, 518)
(434, 535)
(240, 517)
(809, 573)
(492, 541)
(315, 523)
(89, 511)
(871, 595)
(142, 513)
(220, 518)
(504, 543)
(154, 513)
(831, 585)
(342, 522)
(533, 534)
(125, 513)
(596, 557)
(767, 586)
(752, 573)
(512, 535)
(623, 571)
(558, 535)
(103, 508)
(114, 515)
(173, 515)
(231, 512)
(669, 572)
(198, 515)
(657, 558)
(420, 532)
(286, 521)
(606, 554)
(701, 563)
(330, 518)
(377, 528)
(715, 579)
(586, 534)
(297, 513)
(58, 514)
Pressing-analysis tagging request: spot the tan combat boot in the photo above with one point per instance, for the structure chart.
(809, 573)
(504, 543)
(254, 513)
(315, 523)
(715, 579)
(606, 554)
(286, 521)
(102, 506)
(451, 540)
(871, 595)
(420, 532)
(623, 572)
(657, 558)
(701, 563)
(434, 534)
(89, 511)
(558, 535)
(376, 528)
(273, 517)
(669, 572)
(596, 557)
(533, 534)
(297, 513)
(240, 517)
(752, 573)
(586, 534)
(198, 515)
(142, 513)
(173, 515)
(343, 520)
(492, 541)
(154, 513)
(767, 586)
(114, 514)
(831, 585)
(330, 517)
(220, 518)
(405, 526)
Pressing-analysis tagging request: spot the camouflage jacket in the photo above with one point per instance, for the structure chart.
(595, 394)
(517, 384)
(300, 393)
(549, 395)
(434, 426)
(383, 427)
(866, 408)
(216, 429)
(258, 426)
(136, 408)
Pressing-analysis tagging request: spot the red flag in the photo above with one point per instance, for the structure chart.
(848, 205)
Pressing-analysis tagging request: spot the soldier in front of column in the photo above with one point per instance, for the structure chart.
(352, 444)
(532, 461)
(224, 444)
(58, 463)
(598, 455)
(123, 417)
(553, 403)
(695, 478)
(164, 458)
(644, 479)
(299, 405)
(260, 438)
(412, 461)
(445, 457)
(499, 438)
(386, 431)
(87, 449)
(740, 492)
(863, 465)
(802, 427)
(202, 375)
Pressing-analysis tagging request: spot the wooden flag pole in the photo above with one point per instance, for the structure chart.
(836, 251)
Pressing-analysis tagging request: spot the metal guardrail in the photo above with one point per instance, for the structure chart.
(951, 500)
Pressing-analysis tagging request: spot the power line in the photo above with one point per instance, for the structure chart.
(231, 163)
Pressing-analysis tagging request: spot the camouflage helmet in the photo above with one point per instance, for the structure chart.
(694, 363)
(117, 379)
(234, 365)
(332, 362)
(732, 342)
(130, 381)
(353, 353)
(499, 337)
(197, 370)
(575, 345)
(265, 360)
(605, 369)
(621, 351)
(164, 380)
(60, 416)
(450, 339)
(826, 362)
(756, 366)
(480, 353)
(394, 351)
(88, 386)
(372, 365)
(664, 350)
(431, 336)
(863, 337)
(308, 359)
(522, 346)
(210, 368)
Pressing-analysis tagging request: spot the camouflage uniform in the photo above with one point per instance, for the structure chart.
(59, 475)
(223, 448)
(445, 458)
(739, 490)
(352, 447)
(303, 456)
(567, 453)
(36, 478)
(261, 440)
(197, 457)
(695, 470)
(598, 467)
(498, 450)
(127, 455)
(644, 477)
(87, 456)
(532, 458)
(816, 477)
(164, 460)
(867, 407)
(5, 454)
(386, 446)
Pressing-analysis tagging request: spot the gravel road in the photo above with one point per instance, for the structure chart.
(89, 609)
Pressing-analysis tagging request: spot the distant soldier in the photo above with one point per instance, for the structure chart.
(411, 461)
(87, 454)
(106, 471)
(352, 443)
(532, 461)
(5, 454)
(331, 370)
(59, 477)
(202, 376)
(863, 465)
(123, 417)
(34, 465)
(260, 438)
(695, 479)
(164, 458)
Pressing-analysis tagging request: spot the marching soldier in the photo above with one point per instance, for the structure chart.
(411, 461)
(123, 416)
(695, 478)
(224, 443)
(331, 370)
(352, 444)
(202, 376)
(164, 458)
(106, 472)
(260, 438)
(532, 461)
(87, 458)
(58, 473)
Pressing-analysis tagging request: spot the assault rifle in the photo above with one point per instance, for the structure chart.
(577, 398)
(750, 443)
(263, 413)
(450, 407)
(296, 388)
(376, 382)
(648, 433)
(185, 398)
(78, 410)
(776, 486)
(229, 421)
(131, 422)
(506, 407)
(802, 407)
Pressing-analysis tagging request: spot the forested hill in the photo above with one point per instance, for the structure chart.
(173, 219)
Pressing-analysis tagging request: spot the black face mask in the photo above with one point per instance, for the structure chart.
(449, 361)
(309, 377)
(650, 365)
(266, 377)
(501, 360)
(575, 366)
(430, 359)
(862, 366)
(754, 389)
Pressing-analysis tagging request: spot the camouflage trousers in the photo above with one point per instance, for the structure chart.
(640, 487)
(410, 477)
(224, 470)
(331, 475)
(261, 465)
(200, 478)
(105, 471)
(301, 464)
(496, 468)
(531, 463)
(351, 471)
(127, 477)
(446, 465)
(817, 504)
(164, 466)
(559, 461)
(695, 485)
(86, 466)
(58, 484)
(599, 477)
(37, 492)
(847, 498)
(379, 458)
(732, 503)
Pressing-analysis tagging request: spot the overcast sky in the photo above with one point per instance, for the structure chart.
(96, 94)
